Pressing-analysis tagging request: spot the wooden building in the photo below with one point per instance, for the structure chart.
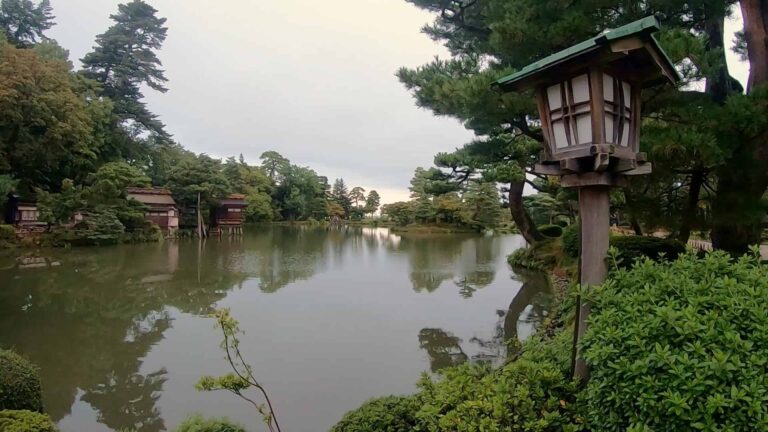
(228, 215)
(22, 213)
(162, 208)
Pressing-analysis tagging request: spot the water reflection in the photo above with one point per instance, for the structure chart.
(442, 347)
(90, 318)
(89, 321)
(527, 310)
(468, 261)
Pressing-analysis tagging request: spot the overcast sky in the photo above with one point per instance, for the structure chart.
(313, 80)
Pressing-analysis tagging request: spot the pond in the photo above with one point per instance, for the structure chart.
(332, 317)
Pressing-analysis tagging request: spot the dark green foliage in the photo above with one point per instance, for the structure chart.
(521, 396)
(97, 229)
(401, 212)
(23, 22)
(631, 248)
(7, 236)
(19, 383)
(386, 414)
(680, 346)
(198, 423)
(551, 230)
(25, 421)
(572, 240)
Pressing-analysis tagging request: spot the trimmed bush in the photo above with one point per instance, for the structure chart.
(561, 223)
(572, 240)
(25, 421)
(386, 414)
(633, 247)
(197, 423)
(551, 230)
(19, 383)
(521, 396)
(680, 346)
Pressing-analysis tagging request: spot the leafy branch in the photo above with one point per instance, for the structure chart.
(241, 378)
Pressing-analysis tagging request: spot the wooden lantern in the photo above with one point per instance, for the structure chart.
(589, 104)
(589, 100)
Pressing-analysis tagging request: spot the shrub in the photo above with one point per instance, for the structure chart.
(541, 256)
(19, 383)
(572, 240)
(25, 421)
(521, 396)
(7, 236)
(680, 346)
(7, 233)
(633, 247)
(551, 230)
(561, 223)
(197, 423)
(630, 247)
(386, 414)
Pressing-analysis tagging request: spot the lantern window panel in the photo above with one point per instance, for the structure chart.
(617, 95)
(570, 112)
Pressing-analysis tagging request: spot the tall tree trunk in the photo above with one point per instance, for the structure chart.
(692, 208)
(755, 16)
(719, 84)
(520, 215)
(741, 184)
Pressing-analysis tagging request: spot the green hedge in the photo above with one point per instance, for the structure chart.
(386, 414)
(19, 383)
(572, 240)
(551, 230)
(197, 423)
(630, 247)
(25, 421)
(633, 247)
(680, 346)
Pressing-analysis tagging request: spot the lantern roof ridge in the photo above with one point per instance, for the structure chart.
(645, 26)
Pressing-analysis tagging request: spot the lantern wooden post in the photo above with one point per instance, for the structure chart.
(588, 98)
(594, 211)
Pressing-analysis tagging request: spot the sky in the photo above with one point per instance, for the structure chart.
(312, 80)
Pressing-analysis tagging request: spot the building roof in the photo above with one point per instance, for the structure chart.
(151, 196)
(642, 27)
(234, 200)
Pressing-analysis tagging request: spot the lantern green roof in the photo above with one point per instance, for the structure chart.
(645, 26)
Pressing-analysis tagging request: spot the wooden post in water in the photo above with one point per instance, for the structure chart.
(594, 210)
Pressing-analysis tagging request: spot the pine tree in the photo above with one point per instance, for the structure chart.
(23, 22)
(341, 196)
(124, 59)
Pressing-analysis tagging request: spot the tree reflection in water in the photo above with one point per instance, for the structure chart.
(90, 319)
(442, 348)
(468, 260)
(529, 307)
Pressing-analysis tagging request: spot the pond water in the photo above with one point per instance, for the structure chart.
(331, 319)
